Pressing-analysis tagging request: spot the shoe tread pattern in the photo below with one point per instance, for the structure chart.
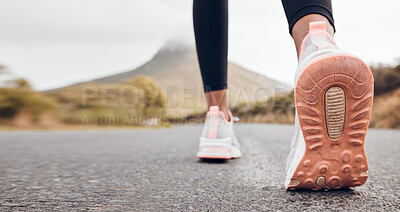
(339, 158)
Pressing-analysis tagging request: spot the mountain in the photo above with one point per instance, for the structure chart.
(175, 68)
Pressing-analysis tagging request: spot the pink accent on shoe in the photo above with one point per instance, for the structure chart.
(214, 109)
(215, 149)
(317, 26)
(214, 112)
(318, 36)
(214, 157)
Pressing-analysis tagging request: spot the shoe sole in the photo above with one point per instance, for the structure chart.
(217, 151)
(333, 97)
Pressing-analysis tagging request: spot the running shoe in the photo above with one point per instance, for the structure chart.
(333, 98)
(218, 140)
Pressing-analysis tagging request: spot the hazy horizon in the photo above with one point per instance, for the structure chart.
(54, 43)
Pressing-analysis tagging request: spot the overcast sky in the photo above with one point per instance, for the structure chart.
(54, 43)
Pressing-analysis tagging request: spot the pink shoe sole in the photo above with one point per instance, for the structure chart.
(333, 97)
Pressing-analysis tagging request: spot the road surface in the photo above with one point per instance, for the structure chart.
(156, 170)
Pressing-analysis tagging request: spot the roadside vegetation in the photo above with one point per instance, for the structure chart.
(387, 78)
(20, 105)
(278, 109)
(130, 103)
(386, 110)
(134, 102)
(140, 101)
(385, 113)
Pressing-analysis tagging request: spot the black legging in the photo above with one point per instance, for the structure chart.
(210, 18)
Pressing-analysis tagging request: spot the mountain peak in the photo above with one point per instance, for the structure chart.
(174, 47)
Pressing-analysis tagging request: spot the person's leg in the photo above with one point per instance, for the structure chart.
(333, 98)
(218, 140)
(210, 19)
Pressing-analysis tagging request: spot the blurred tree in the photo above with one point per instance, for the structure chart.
(153, 94)
(19, 83)
(21, 98)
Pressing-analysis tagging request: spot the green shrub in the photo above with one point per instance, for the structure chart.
(14, 100)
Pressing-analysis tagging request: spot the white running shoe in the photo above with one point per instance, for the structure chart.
(218, 140)
(333, 97)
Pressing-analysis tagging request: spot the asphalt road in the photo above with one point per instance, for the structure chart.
(156, 170)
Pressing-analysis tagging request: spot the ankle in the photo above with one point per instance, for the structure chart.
(219, 98)
(226, 112)
(224, 109)
(301, 29)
